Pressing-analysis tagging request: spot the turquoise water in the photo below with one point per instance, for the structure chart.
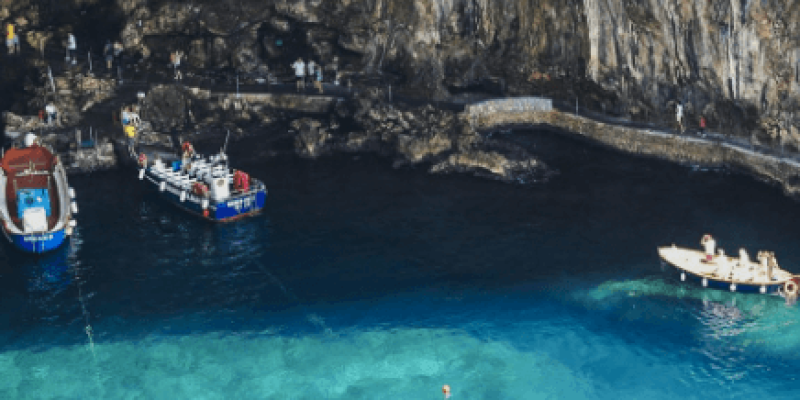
(364, 282)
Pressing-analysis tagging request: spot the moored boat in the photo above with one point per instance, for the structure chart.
(35, 201)
(204, 186)
(731, 273)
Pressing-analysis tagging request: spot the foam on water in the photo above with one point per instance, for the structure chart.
(767, 324)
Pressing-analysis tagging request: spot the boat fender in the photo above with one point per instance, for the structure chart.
(71, 193)
(763, 289)
(141, 174)
(733, 287)
(183, 195)
(74, 207)
(205, 204)
(73, 223)
(705, 282)
(790, 287)
(68, 231)
(683, 277)
(162, 186)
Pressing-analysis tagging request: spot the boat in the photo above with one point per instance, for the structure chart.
(203, 185)
(737, 274)
(36, 202)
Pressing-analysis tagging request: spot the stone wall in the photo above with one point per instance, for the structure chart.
(712, 151)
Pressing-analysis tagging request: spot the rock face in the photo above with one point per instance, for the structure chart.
(439, 140)
(737, 62)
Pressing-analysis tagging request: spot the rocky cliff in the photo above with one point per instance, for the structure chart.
(737, 62)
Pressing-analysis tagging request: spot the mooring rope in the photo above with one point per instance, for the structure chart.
(314, 319)
(85, 311)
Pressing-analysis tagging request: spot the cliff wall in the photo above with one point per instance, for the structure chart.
(734, 61)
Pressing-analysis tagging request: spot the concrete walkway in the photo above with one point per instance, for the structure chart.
(712, 149)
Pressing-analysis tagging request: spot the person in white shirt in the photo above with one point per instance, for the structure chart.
(300, 73)
(679, 116)
(708, 244)
(52, 113)
(72, 49)
(176, 63)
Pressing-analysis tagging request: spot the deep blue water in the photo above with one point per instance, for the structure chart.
(362, 281)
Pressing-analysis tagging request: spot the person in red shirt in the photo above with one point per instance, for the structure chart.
(702, 124)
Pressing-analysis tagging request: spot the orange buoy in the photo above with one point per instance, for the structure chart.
(446, 391)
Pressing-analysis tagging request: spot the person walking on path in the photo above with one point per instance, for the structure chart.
(175, 58)
(72, 49)
(311, 68)
(108, 53)
(130, 134)
(126, 116)
(52, 113)
(300, 73)
(679, 117)
(702, 125)
(318, 82)
(12, 40)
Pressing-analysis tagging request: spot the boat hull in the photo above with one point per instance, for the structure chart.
(687, 276)
(37, 243)
(235, 208)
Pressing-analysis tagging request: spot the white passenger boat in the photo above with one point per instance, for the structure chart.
(731, 273)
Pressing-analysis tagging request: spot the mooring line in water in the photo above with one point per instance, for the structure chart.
(86, 316)
(314, 319)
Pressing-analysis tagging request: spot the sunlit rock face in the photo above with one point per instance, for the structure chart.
(736, 62)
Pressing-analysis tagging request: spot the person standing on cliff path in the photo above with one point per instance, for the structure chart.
(702, 125)
(72, 49)
(108, 53)
(318, 81)
(52, 113)
(12, 39)
(176, 63)
(679, 117)
(312, 67)
(300, 73)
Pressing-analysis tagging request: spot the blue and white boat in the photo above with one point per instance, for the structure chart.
(204, 186)
(36, 203)
(731, 273)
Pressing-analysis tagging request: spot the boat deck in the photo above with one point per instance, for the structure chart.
(30, 168)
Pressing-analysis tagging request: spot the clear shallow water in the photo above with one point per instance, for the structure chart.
(365, 282)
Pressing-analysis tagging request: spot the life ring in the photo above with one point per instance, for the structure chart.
(790, 288)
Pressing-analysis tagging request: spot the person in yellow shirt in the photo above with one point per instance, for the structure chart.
(12, 40)
(130, 133)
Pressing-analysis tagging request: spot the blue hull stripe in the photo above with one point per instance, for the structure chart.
(39, 242)
(235, 207)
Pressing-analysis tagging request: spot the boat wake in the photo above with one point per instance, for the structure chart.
(744, 320)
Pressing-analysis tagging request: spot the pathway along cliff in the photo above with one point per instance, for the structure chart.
(708, 149)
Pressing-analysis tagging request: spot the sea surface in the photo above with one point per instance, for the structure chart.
(361, 281)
